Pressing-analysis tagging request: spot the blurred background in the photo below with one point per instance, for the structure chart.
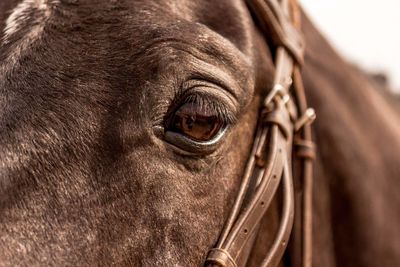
(364, 31)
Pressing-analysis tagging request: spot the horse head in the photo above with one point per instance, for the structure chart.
(101, 161)
(125, 128)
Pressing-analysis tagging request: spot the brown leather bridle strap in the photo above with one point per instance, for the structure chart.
(275, 19)
(269, 163)
(305, 148)
(305, 151)
(269, 175)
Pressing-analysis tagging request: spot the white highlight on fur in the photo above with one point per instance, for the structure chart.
(21, 13)
(31, 17)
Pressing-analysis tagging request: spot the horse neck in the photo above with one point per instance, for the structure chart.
(356, 203)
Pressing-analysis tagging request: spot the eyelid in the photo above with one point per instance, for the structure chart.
(214, 94)
(192, 147)
(207, 105)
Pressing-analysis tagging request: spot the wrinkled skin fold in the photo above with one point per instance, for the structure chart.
(87, 177)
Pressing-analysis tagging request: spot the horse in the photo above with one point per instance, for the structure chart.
(89, 89)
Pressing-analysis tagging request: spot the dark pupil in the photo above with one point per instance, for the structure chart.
(190, 121)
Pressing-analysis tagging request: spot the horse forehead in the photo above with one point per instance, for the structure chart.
(229, 18)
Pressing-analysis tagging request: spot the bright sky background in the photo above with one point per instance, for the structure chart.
(367, 32)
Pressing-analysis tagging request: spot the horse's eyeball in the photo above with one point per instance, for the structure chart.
(195, 122)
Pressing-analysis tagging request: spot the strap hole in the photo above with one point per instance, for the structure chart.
(245, 231)
(262, 203)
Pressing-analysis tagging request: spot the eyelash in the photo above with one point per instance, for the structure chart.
(208, 105)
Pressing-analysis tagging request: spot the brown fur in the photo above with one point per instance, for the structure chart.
(86, 179)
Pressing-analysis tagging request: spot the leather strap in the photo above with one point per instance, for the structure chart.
(305, 153)
(274, 18)
(269, 163)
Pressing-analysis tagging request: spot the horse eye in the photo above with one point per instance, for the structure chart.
(196, 123)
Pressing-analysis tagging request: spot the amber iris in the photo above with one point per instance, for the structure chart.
(196, 123)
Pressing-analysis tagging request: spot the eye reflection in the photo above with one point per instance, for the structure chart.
(196, 123)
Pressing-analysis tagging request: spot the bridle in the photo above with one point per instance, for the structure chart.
(283, 137)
